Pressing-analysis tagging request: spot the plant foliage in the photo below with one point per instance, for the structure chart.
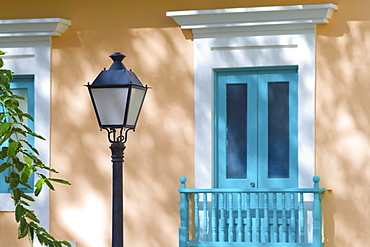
(19, 157)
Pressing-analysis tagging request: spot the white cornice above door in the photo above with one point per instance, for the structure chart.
(254, 21)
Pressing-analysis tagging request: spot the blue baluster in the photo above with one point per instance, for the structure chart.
(196, 216)
(317, 224)
(205, 217)
(240, 219)
(275, 219)
(222, 219)
(258, 219)
(184, 215)
(231, 219)
(248, 224)
(267, 223)
(284, 219)
(292, 219)
(213, 220)
(302, 217)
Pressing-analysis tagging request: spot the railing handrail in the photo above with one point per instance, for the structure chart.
(316, 189)
(259, 190)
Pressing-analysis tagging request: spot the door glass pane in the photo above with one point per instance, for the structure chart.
(236, 104)
(278, 130)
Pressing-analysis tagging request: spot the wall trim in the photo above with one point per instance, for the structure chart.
(31, 32)
(253, 21)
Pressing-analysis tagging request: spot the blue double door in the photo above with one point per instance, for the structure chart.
(256, 128)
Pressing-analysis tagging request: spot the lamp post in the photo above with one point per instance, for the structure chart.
(117, 96)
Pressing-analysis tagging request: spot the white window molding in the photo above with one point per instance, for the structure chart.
(31, 32)
(27, 43)
(253, 21)
(254, 37)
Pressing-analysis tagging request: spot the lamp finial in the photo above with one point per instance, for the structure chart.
(117, 61)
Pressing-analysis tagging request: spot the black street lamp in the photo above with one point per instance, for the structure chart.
(117, 96)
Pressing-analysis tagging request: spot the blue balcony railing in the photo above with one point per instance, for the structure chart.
(251, 217)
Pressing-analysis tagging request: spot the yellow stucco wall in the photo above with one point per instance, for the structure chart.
(342, 124)
(161, 150)
(157, 154)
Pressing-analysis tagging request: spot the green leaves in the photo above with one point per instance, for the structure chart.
(47, 181)
(4, 166)
(44, 237)
(13, 148)
(19, 160)
(4, 127)
(61, 181)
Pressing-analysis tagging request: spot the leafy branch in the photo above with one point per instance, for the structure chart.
(20, 160)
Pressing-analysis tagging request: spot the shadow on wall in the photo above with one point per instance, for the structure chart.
(342, 132)
(162, 148)
(157, 154)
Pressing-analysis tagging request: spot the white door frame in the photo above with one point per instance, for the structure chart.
(254, 37)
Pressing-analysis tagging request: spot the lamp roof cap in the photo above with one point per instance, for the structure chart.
(117, 75)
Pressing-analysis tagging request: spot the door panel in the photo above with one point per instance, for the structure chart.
(278, 129)
(237, 129)
(256, 128)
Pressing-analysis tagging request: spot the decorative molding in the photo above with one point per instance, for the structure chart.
(34, 27)
(253, 47)
(253, 21)
(17, 56)
(33, 32)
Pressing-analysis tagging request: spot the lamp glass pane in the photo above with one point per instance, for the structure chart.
(110, 104)
(136, 101)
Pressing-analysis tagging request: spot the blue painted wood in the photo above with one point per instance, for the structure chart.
(293, 229)
(235, 244)
(196, 216)
(302, 219)
(222, 80)
(257, 82)
(222, 234)
(214, 219)
(266, 217)
(184, 215)
(258, 218)
(257, 191)
(248, 225)
(231, 219)
(284, 218)
(205, 216)
(275, 219)
(239, 228)
(266, 178)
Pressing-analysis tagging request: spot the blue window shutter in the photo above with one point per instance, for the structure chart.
(22, 85)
